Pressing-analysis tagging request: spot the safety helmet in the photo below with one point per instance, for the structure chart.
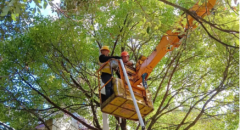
(124, 53)
(105, 48)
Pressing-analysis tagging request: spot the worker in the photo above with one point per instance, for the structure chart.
(125, 58)
(106, 73)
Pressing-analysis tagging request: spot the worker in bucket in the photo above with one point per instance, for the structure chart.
(126, 61)
(125, 58)
(106, 73)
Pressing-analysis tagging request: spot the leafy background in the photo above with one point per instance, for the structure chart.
(48, 64)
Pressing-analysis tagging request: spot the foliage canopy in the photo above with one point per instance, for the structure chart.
(50, 67)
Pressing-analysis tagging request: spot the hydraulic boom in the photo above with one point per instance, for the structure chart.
(169, 42)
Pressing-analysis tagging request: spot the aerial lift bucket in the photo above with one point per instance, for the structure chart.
(128, 102)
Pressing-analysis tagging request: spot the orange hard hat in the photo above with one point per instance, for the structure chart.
(124, 53)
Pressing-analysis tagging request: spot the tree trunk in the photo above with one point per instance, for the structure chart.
(123, 124)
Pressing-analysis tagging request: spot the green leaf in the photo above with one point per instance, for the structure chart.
(5, 11)
(148, 29)
(39, 11)
(14, 17)
(45, 4)
(11, 3)
(34, 11)
(17, 10)
(37, 3)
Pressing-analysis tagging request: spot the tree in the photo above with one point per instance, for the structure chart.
(51, 66)
(16, 15)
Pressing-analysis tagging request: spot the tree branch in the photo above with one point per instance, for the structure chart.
(55, 105)
(199, 19)
(116, 41)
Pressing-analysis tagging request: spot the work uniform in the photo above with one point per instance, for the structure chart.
(118, 73)
(106, 75)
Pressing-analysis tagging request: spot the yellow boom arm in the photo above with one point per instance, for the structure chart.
(170, 41)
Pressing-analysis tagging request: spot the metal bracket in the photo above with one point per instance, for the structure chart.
(144, 81)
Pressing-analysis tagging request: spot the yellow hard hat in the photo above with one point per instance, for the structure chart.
(105, 48)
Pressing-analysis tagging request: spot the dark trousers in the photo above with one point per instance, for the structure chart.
(108, 88)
